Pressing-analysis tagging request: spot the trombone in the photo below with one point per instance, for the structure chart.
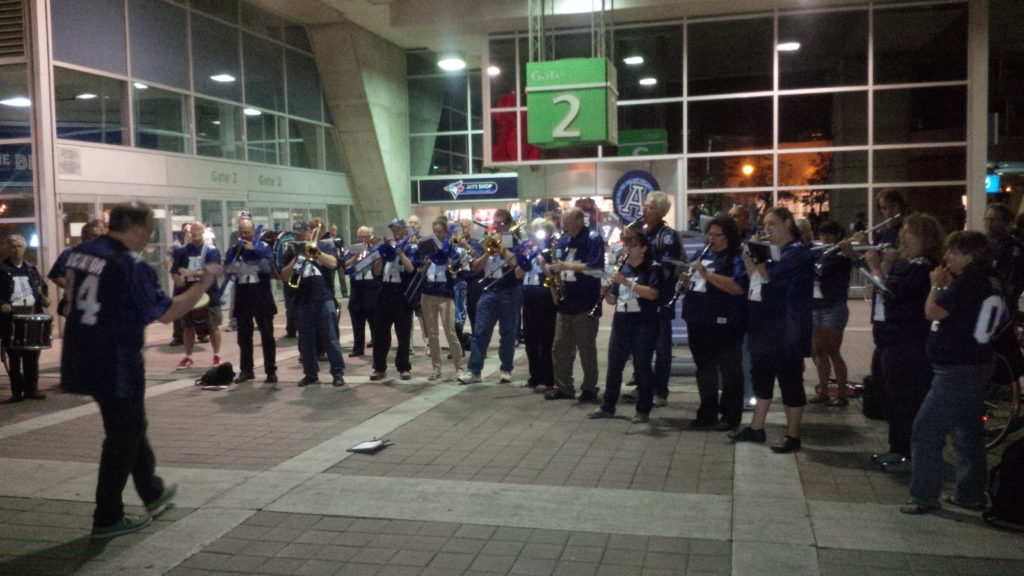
(311, 251)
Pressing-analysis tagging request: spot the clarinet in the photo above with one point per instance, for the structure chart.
(683, 285)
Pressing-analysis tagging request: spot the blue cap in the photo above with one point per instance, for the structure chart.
(397, 222)
(300, 226)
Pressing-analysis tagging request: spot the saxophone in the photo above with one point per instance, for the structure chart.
(554, 282)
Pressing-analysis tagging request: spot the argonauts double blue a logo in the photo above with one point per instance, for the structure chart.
(630, 192)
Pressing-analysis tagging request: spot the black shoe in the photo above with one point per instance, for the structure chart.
(726, 425)
(600, 414)
(355, 354)
(557, 394)
(289, 334)
(786, 444)
(35, 396)
(321, 357)
(12, 400)
(589, 398)
(703, 424)
(306, 381)
(628, 397)
(271, 379)
(748, 434)
(338, 380)
(243, 377)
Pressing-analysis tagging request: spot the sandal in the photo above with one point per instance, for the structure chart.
(913, 508)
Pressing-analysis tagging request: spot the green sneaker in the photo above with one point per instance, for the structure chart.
(163, 503)
(128, 524)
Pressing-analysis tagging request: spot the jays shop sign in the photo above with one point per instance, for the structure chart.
(630, 193)
(571, 102)
(467, 189)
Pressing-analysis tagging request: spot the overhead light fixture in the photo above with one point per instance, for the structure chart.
(648, 81)
(633, 60)
(139, 86)
(17, 102)
(215, 122)
(85, 96)
(788, 46)
(493, 71)
(252, 112)
(225, 78)
(451, 62)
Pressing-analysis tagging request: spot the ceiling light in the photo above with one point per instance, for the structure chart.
(493, 70)
(85, 96)
(139, 86)
(17, 102)
(252, 112)
(451, 62)
(648, 81)
(222, 78)
(634, 60)
(215, 122)
(788, 46)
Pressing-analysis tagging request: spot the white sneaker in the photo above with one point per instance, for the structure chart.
(468, 377)
(506, 377)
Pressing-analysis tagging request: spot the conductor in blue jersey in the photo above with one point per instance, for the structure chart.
(114, 294)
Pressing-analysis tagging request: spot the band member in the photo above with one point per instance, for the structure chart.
(395, 270)
(500, 303)
(314, 261)
(473, 290)
(900, 362)
(715, 311)
(115, 295)
(339, 243)
(438, 299)
(637, 292)
(1007, 253)
(890, 203)
(180, 239)
(779, 325)
(250, 262)
(539, 308)
(664, 244)
(22, 291)
(741, 215)
(187, 269)
(829, 314)
(964, 305)
(91, 229)
(364, 290)
(578, 251)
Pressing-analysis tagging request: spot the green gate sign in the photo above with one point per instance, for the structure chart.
(643, 142)
(571, 102)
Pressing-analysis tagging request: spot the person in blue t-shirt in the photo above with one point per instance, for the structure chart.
(186, 270)
(114, 295)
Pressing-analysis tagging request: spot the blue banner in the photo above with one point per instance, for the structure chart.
(15, 167)
(468, 189)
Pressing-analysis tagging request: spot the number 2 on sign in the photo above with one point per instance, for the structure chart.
(574, 109)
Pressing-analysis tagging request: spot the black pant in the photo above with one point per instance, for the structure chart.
(359, 318)
(24, 367)
(265, 324)
(473, 293)
(289, 311)
(126, 450)
(906, 379)
(717, 351)
(771, 359)
(631, 336)
(539, 316)
(391, 310)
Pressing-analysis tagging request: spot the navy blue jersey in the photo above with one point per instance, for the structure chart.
(192, 257)
(628, 304)
(57, 270)
(23, 287)
(394, 280)
(780, 307)
(706, 305)
(898, 317)
(664, 244)
(581, 291)
(975, 305)
(113, 296)
(533, 281)
(317, 284)
(832, 279)
(439, 274)
(253, 270)
(1008, 263)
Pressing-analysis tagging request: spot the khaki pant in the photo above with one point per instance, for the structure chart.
(575, 332)
(434, 306)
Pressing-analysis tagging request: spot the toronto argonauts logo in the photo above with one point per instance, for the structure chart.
(630, 192)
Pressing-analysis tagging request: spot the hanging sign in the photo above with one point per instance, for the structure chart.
(571, 102)
(629, 194)
(643, 142)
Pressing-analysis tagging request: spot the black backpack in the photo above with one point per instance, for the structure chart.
(1006, 489)
(217, 378)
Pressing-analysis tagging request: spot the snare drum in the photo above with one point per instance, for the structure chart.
(31, 331)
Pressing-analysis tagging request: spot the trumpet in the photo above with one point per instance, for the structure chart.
(685, 281)
(492, 242)
(311, 252)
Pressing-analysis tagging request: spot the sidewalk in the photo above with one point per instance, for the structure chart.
(481, 479)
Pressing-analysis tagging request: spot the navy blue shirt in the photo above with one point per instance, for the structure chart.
(317, 284)
(664, 244)
(581, 291)
(394, 280)
(114, 295)
(437, 279)
(253, 270)
(630, 306)
(898, 317)
(784, 307)
(975, 305)
(533, 281)
(832, 279)
(708, 306)
(192, 257)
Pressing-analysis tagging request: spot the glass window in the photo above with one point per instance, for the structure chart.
(476, 102)
(161, 122)
(503, 82)
(921, 164)
(811, 168)
(731, 171)
(14, 114)
(305, 145)
(159, 43)
(265, 138)
(223, 9)
(570, 45)
(17, 195)
(89, 34)
(833, 50)
(817, 206)
(921, 115)
(943, 202)
(334, 160)
(295, 35)
(421, 63)
(710, 204)
(477, 141)
(724, 125)
(89, 107)
(261, 21)
(837, 119)
(303, 86)
(730, 56)
(428, 99)
(213, 219)
(921, 44)
(215, 65)
(264, 73)
(218, 129)
(436, 155)
(650, 52)
(650, 129)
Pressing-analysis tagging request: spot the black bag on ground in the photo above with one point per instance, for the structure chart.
(220, 375)
(1006, 489)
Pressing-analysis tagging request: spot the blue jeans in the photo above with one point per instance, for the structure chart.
(316, 322)
(460, 302)
(502, 307)
(955, 405)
